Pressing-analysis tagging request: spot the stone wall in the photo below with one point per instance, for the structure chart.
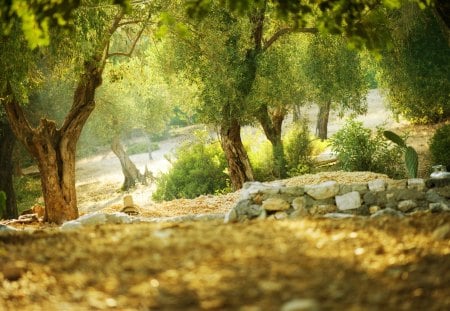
(330, 199)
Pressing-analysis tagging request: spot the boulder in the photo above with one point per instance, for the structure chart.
(275, 204)
(377, 185)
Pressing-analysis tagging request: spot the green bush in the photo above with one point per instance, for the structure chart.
(358, 149)
(28, 191)
(2, 204)
(298, 150)
(440, 146)
(261, 159)
(199, 169)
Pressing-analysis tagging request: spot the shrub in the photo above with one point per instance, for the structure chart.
(2, 204)
(358, 149)
(440, 146)
(199, 169)
(298, 150)
(261, 159)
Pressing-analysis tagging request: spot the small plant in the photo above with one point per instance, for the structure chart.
(411, 157)
(358, 149)
(299, 148)
(440, 146)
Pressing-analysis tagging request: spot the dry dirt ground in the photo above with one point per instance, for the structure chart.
(293, 264)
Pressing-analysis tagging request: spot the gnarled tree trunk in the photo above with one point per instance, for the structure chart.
(129, 170)
(7, 142)
(322, 120)
(54, 149)
(271, 124)
(238, 163)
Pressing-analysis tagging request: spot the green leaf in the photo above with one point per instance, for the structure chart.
(394, 138)
(412, 161)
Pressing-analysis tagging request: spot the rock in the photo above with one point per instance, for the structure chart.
(396, 184)
(338, 215)
(71, 225)
(250, 189)
(373, 209)
(118, 218)
(275, 204)
(433, 197)
(280, 215)
(438, 207)
(361, 188)
(406, 205)
(370, 198)
(416, 183)
(5, 228)
(409, 194)
(93, 219)
(299, 203)
(348, 201)
(444, 191)
(442, 232)
(293, 191)
(231, 216)
(300, 305)
(325, 190)
(322, 209)
(377, 185)
(387, 212)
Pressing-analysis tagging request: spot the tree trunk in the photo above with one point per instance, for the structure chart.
(272, 124)
(322, 121)
(130, 171)
(7, 142)
(239, 166)
(54, 149)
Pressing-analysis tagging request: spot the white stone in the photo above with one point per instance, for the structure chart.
(119, 218)
(300, 305)
(5, 228)
(280, 215)
(377, 185)
(231, 216)
(71, 225)
(351, 200)
(251, 188)
(325, 190)
(93, 219)
(275, 204)
(338, 215)
(416, 183)
(406, 205)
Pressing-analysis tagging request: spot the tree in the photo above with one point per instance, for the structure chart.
(335, 78)
(229, 60)
(132, 97)
(416, 68)
(54, 148)
(7, 142)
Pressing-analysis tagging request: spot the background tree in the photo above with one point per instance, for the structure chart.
(335, 78)
(416, 69)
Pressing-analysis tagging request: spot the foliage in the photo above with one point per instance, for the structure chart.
(358, 149)
(261, 158)
(28, 192)
(411, 157)
(440, 146)
(358, 20)
(199, 169)
(334, 74)
(299, 148)
(415, 70)
(2, 204)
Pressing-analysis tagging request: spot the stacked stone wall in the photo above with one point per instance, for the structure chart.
(331, 199)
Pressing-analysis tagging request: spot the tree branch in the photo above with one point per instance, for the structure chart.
(283, 31)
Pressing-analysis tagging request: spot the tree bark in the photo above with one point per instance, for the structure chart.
(239, 166)
(272, 126)
(7, 142)
(129, 170)
(322, 121)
